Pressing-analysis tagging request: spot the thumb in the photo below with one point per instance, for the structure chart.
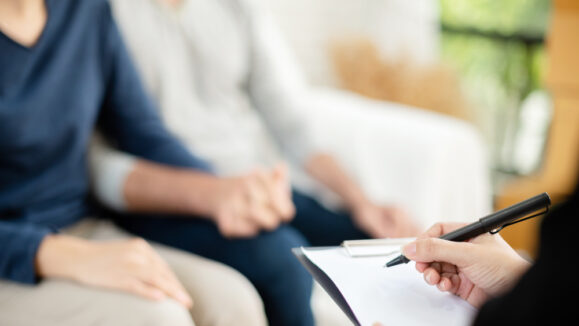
(435, 249)
(281, 173)
(282, 193)
(281, 178)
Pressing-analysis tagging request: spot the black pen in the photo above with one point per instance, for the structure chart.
(492, 223)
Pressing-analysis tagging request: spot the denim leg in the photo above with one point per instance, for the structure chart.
(266, 260)
(320, 226)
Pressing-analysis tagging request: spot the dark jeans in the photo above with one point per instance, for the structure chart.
(266, 259)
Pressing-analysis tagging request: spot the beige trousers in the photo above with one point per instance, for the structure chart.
(221, 295)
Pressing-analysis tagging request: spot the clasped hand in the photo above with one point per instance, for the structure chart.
(260, 200)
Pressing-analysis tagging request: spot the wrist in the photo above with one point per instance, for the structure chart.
(324, 168)
(204, 194)
(357, 203)
(519, 267)
(58, 254)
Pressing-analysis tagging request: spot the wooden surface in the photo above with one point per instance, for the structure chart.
(560, 169)
(563, 48)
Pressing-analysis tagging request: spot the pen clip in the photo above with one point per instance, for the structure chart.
(520, 220)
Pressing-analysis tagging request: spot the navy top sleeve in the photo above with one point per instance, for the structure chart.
(52, 96)
(19, 246)
(128, 118)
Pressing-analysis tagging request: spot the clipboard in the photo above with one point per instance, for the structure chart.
(351, 247)
(327, 284)
(368, 293)
(371, 248)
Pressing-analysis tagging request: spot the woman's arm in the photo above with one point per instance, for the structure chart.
(19, 244)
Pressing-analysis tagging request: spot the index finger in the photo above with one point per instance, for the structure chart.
(440, 229)
(166, 280)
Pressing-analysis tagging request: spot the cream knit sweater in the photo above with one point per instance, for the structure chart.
(224, 82)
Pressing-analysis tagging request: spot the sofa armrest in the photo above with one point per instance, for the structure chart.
(433, 165)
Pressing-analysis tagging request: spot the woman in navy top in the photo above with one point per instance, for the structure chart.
(64, 71)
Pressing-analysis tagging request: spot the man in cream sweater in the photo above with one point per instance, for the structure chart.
(227, 87)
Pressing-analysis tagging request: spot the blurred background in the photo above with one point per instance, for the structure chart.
(509, 68)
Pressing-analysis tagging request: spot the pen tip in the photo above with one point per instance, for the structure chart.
(396, 261)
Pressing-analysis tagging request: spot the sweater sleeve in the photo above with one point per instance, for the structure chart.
(128, 119)
(109, 171)
(18, 246)
(277, 87)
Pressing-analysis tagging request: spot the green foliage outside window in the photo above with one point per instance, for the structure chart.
(496, 47)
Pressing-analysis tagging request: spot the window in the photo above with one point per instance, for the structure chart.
(497, 47)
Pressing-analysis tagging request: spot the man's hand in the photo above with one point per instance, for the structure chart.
(375, 220)
(384, 221)
(127, 265)
(475, 270)
(258, 201)
(240, 206)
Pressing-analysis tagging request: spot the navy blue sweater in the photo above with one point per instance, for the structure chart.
(52, 95)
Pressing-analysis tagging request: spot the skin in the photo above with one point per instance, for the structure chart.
(23, 20)
(127, 265)
(379, 221)
(243, 206)
(237, 218)
(483, 267)
(476, 270)
(240, 206)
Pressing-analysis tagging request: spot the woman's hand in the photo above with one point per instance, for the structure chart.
(127, 265)
(483, 267)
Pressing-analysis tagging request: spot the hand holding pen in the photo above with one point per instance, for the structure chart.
(493, 223)
(484, 265)
(474, 270)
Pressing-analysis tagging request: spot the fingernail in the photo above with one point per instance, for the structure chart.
(185, 298)
(409, 250)
(182, 296)
(158, 295)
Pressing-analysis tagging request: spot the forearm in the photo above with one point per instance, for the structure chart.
(325, 169)
(377, 221)
(152, 187)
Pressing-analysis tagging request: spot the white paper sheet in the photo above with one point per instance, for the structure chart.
(392, 296)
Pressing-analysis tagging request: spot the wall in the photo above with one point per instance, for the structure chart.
(399, 27)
